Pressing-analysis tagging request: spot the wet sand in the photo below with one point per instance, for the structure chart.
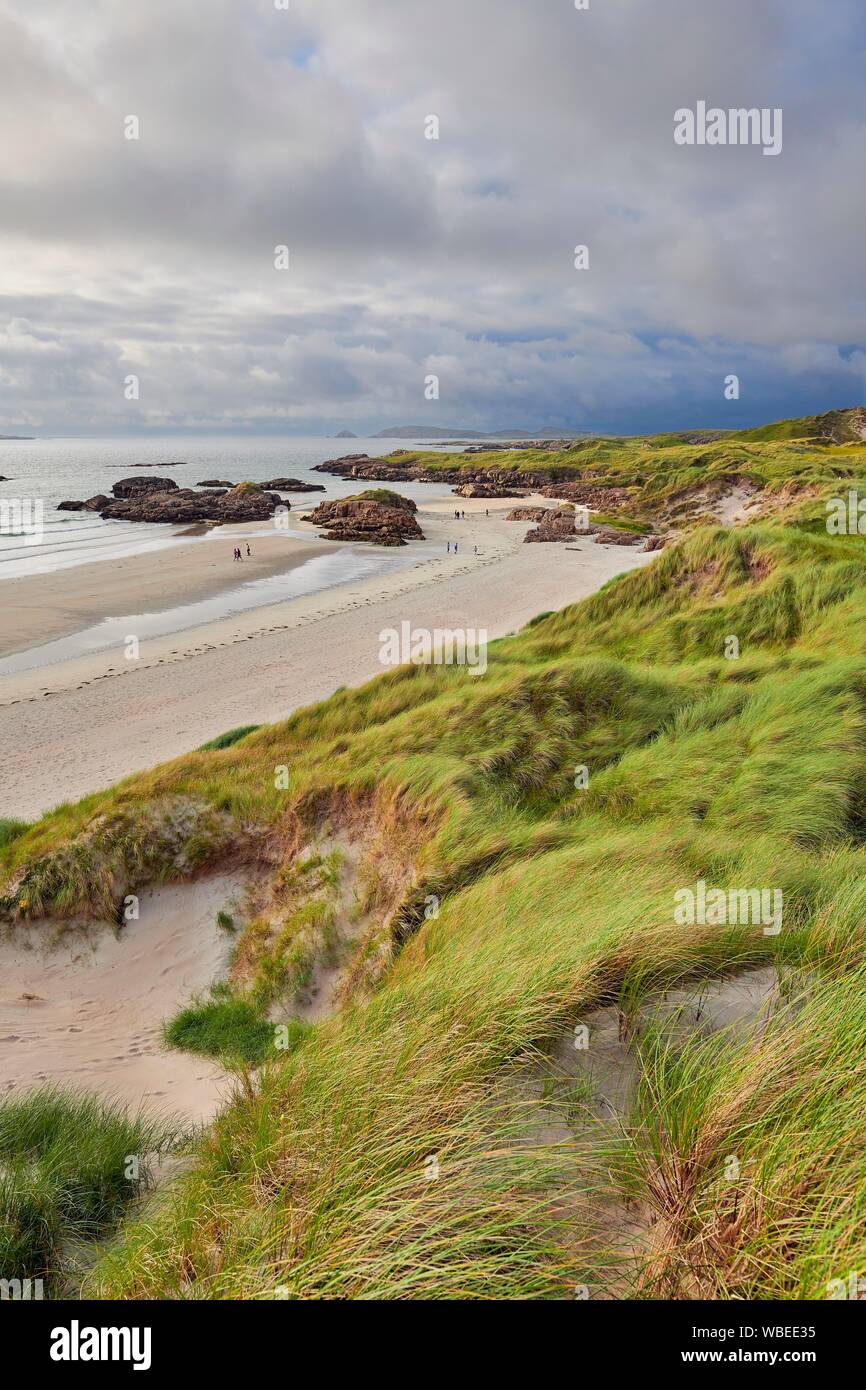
(40, 608)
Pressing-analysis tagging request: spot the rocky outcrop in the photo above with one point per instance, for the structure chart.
(609, 535)
(215, 482)
(596, 495)
(487, 482)
(555, 525)
(489, 490)
(292, 485)
(242, 503)
(559, 525)
(139, 500)
(363, 519)
(134, 487)
(655, 543)
(528, 513)
(93, 504)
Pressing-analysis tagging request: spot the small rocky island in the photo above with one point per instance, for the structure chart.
(378, 515)
(161, 500)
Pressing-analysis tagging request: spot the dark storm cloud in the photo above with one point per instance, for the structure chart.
(261, 127)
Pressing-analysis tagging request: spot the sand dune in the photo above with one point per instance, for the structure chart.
(84, 1009)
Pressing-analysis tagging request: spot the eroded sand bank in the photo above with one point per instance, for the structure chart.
(85, 1008)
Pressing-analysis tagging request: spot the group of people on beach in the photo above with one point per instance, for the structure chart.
(461, 516)
(236, 553)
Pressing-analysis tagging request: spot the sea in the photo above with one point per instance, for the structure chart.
(54, 470)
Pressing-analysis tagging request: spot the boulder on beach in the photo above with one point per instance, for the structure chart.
(489, 490)
(610, 535)
(367, 518)
(528, 513)
(556, 524)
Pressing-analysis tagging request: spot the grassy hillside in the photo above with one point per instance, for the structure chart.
(424, 1141)
(802, 459)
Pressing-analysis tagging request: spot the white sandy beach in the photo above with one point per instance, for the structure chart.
(81, 724)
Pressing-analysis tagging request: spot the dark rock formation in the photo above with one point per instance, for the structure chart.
(559, 525)
(528, 513)
(609, 535)
(242, 503)
(555, 525)
(161, 500)
(362, 519)
(655, 543)
(489, 490)
(134, 487)
(292, 485)
(215, 482)
(93, 504)
(598, 496)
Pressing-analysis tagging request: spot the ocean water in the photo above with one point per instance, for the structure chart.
(55, 470)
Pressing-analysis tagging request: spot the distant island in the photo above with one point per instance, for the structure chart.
(436, 432)
(346, 434)
(16, 436)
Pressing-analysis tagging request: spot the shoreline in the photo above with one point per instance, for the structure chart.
(85, 723)
(58, 603)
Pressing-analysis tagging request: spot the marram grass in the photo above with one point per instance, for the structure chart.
(386, 1155)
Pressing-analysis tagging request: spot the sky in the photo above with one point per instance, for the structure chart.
(412, 258)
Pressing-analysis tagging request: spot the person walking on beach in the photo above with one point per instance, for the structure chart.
(249, 552)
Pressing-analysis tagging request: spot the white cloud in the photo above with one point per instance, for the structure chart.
(305, 127)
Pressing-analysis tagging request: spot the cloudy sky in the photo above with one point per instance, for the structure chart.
(410, 257)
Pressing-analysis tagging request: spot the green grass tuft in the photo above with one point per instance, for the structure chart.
(229, 738)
